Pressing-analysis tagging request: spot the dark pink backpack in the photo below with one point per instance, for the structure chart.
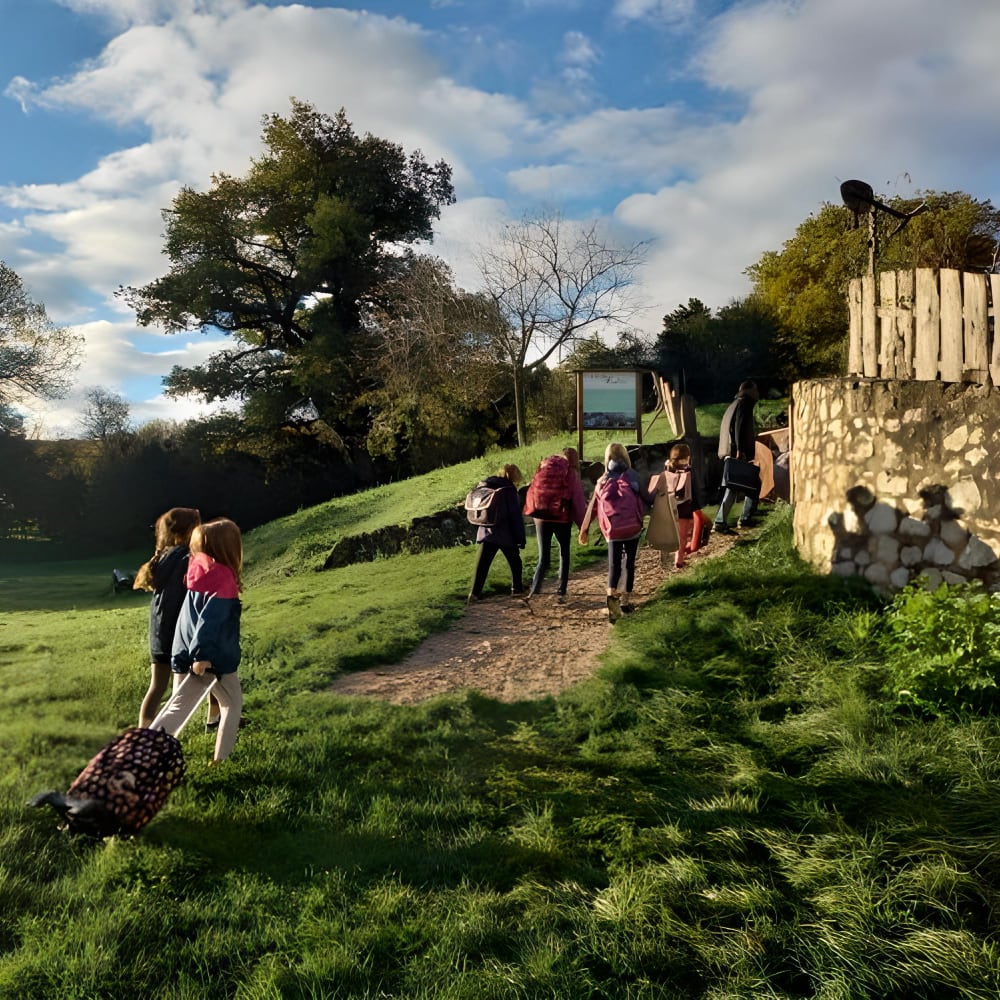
(548, 496)
(619, 509)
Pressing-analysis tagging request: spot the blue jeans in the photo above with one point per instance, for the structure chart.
(728, 499)
(545, 531)
(619, 551)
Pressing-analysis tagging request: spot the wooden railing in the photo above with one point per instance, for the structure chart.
(926, 324)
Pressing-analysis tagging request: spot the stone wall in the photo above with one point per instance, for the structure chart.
(921, 455)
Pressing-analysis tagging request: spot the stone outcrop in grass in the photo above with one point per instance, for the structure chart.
(423, 534)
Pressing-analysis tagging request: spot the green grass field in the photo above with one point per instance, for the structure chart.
(728, 809)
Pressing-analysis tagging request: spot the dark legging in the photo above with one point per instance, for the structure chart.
(545, 531)
(617, 550)
(487, 553)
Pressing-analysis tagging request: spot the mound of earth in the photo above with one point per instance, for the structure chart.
(515, 649)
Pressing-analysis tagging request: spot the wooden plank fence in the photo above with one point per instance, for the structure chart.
(926, 324)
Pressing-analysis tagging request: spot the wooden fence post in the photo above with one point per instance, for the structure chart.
(855, 364)
(975, 314)
(952, 335)
(927, 323)
(904, 320)
(891, 346)
(869, 326)
(995, 358)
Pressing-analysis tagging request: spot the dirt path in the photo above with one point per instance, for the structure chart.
(513, 649)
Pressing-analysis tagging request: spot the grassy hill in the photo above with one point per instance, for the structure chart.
(728, 809)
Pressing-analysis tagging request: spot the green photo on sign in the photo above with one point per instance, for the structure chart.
(609, 400)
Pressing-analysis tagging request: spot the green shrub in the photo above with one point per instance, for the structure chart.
(942, 648)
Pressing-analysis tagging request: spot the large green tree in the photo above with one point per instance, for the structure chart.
(709, 355)
(286, 259)
(804, 285)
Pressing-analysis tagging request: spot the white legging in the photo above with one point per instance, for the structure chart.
(190, 692)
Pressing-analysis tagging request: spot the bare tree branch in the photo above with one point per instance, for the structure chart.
(551, 280)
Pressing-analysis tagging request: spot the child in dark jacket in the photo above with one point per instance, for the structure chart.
(206, 650)
(505, 535)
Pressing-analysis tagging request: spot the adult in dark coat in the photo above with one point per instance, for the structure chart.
(505, 535)
(737, 439)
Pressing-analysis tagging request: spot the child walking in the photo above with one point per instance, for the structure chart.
(505, 535)
(620, 503)
(164, 576)
(680, 481)
(206, 649)
(555, 502)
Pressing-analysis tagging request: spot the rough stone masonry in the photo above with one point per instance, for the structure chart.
(893, 480)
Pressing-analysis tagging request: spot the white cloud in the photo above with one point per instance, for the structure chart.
(111, 359)
(579, 50)
(126, 12)
(810, 92)
(199, 84)
(664, 10)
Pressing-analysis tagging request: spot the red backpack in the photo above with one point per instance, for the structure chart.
(619, 509)
(548, 496)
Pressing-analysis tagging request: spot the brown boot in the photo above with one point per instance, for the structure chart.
(614, 607)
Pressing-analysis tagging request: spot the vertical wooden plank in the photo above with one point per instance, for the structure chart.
(887, 334)
(688, 417)
(927, 326)
(792, 477)
(995, 347)
(869, 327)
(667, 400)
(854, 362)
(974, 311)
(638, 407)
(904, 321)
(952, 335)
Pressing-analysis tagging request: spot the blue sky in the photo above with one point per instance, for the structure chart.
(709, 127)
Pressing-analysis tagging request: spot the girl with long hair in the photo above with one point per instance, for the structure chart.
(206, 650)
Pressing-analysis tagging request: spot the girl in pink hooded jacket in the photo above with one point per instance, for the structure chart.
(206, 649)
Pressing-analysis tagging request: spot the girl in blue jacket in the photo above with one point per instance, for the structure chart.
(206, 649)
(164, 576)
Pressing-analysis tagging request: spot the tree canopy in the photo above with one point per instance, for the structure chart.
(287, 258)
(710, 355)
(438, 385)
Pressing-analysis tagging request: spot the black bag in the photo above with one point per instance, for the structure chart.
(481, 506)
(741, 477)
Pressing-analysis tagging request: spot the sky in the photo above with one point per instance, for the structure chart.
(710, 128)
